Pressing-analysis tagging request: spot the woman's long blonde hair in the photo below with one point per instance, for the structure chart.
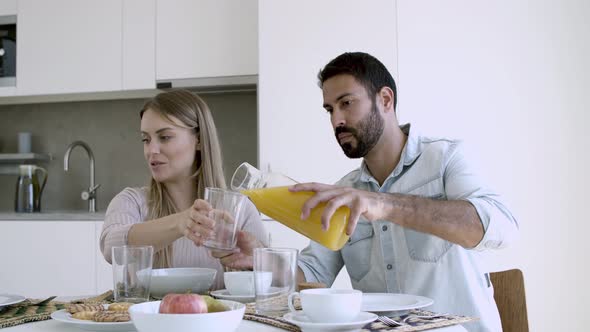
(194, 113)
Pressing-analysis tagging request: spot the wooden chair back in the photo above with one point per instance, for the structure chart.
(510, 298)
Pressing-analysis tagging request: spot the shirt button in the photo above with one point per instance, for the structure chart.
(384, 228)
(389, 266)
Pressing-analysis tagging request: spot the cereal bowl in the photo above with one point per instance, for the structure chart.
(146, 318)
(181, 280)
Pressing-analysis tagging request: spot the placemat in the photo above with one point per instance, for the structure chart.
(34, 310)
(412, 324)
(30, 310)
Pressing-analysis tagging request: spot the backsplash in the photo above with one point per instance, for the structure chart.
(111, 129)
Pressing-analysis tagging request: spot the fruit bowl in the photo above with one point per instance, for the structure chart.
(146, 318)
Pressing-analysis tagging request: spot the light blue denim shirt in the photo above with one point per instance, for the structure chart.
(384, 257)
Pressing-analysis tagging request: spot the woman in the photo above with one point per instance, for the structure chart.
(182, 150)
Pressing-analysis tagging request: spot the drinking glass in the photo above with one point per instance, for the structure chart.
(226, 211)
(132, 272)
(280, 264)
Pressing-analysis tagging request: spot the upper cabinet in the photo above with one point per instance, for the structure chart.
(69, 46)
(293, 127)
(206, 38)
(139, 44)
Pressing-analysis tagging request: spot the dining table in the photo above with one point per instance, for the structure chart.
(51, 325)
(245, 326)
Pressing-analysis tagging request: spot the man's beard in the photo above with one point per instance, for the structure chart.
(368, 133)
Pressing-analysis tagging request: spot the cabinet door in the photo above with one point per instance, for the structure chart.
(139, 49)
(205, 38)
(44, 258)
(67, 46)
(295, 134)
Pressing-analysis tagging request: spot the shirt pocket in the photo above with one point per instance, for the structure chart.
(425, 247)
(357, 252)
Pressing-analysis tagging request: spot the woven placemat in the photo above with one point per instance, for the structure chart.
(412, 324)
(34, 310)
(30, 310)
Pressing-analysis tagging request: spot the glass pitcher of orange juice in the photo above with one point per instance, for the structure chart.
(270, 193)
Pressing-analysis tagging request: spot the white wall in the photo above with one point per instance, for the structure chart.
(512, 78)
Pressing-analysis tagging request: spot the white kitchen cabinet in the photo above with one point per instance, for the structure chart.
(8, 7)
(44, 258)
(139, 44)
(69, 46)
(205, 38)
(295, 134)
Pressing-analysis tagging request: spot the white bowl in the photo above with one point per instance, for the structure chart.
(146, 318)
(181, 280)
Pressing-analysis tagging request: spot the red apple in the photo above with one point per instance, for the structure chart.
(183, 304)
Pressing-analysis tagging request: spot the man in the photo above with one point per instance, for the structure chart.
(419, 217)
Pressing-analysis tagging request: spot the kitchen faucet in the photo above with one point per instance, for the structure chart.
(89, 195)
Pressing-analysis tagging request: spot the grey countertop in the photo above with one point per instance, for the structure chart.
(53, 215)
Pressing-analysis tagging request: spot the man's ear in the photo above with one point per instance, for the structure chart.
(387, 98)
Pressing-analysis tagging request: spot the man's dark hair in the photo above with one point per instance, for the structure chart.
(365, 68)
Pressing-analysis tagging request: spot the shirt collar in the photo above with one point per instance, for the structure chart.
(410, 152)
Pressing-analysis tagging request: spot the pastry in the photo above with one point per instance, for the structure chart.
(78, 307)
(84, 315)
(119, 306)
(112, 316)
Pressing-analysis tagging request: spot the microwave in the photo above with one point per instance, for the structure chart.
(7, 51)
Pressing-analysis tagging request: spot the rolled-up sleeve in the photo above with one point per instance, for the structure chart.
(252, 223)
(461, 182)
(123, 211)
(320, 264)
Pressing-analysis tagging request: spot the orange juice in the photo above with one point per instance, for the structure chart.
(285, 207)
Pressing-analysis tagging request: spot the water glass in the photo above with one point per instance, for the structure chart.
(226, 211)
(281, 264)
(132, 272)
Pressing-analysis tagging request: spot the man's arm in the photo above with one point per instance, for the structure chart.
(456, 221)
(471, 214)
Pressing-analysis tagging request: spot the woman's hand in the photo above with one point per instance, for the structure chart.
(243, 257)
(194, 222)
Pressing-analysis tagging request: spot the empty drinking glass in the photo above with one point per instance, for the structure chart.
(226, 211)
(280, 265)
(132, 272)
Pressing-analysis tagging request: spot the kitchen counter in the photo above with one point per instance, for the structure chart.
(52, 215)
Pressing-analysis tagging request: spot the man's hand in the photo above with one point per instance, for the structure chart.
(242, 257)
(360, 202)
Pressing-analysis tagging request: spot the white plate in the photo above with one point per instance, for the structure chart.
(8, 299)
(65, 317)
(306, 325)
(390, 304)
(225, 295)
